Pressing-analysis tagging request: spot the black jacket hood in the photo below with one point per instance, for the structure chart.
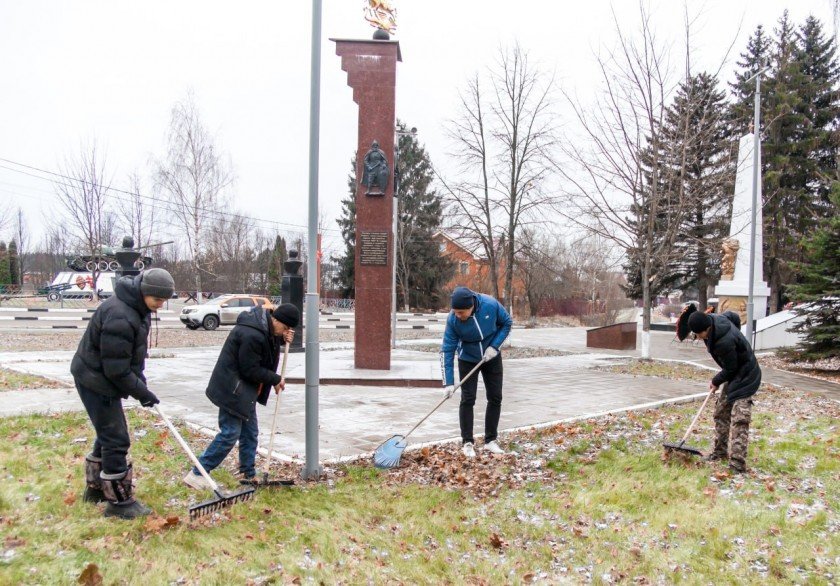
(128, 290)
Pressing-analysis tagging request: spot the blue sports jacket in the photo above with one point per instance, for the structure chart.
(489, 325)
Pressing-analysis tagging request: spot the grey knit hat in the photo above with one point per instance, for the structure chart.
(157, 283)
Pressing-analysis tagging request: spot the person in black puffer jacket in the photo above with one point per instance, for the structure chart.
(244, 374)
(742, 375)
(107, 368)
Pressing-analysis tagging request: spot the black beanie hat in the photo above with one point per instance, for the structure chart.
(287, 314)
(699, 322)
(157, 283)
(462, 298)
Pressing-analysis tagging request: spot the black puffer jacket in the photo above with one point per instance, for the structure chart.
(733, 354)
(112, 353)
(247, 365)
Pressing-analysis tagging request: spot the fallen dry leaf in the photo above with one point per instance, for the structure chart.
(497, 542)
(12, 542)
(770, 485)
(90, 576)
(156, 524)
(69, 498)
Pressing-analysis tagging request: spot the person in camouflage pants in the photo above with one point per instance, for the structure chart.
(732, 431)
(741, 375)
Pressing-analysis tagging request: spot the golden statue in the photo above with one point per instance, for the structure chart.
(730, 248)
(380, 14)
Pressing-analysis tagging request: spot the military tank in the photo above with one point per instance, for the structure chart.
(104, 262)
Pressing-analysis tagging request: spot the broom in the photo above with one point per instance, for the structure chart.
(389, 453)
(222, 500)
(266, 481)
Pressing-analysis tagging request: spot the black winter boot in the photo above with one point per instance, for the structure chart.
(93, 483)
(120, 495)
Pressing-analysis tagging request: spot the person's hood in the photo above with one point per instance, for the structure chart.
(721, 326)
(256, 318)
(127, 289)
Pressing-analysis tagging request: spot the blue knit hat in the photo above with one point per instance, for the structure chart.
(462, 298)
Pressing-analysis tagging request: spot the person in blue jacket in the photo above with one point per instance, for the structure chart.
(475, 331)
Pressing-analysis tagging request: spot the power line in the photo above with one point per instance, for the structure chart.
(160, 201)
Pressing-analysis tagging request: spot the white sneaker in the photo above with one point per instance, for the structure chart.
(494, 448)
(468, 450)
(196, 481)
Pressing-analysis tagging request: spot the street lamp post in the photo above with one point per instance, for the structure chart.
(754, 207)
(398, 133)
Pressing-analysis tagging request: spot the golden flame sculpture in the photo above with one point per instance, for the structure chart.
(382, 15)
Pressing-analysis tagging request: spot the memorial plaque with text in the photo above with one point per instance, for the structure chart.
(373, 248)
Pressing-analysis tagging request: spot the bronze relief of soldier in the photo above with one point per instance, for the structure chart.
(375, 173)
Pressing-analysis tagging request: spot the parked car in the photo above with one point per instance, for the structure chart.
(221, 310)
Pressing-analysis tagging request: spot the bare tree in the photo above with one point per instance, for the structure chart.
(539, 264)
(136, 215)
(194, 177)
(503, 143)
(84, 196)
(22, 236)
(622, 184)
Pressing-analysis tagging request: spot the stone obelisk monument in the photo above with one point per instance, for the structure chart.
(733, 288)
(371, 67)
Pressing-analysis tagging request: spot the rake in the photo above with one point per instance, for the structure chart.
(222, 500)
(389, 453)
(681, 447)
(265, 480)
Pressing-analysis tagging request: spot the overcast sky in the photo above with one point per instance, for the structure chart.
(74, 71)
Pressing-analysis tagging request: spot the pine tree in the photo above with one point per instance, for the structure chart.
(345, 277)
(819, 289)
(5, 277)
(421, 271)
(756, 56)
(274, 277)
(697, 127)
(14, 264)
(820, 108)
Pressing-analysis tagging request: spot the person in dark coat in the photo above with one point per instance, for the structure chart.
(475, 331)
(244, 374)
(742, 375)
(107, 368)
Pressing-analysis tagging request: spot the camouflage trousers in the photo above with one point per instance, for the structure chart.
(732, 429)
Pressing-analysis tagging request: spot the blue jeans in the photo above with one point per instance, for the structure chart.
(232, 429)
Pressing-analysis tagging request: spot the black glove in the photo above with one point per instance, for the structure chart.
(147, 398)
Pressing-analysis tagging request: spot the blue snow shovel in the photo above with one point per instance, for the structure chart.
(389, 453)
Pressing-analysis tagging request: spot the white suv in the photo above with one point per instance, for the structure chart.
(221, 310)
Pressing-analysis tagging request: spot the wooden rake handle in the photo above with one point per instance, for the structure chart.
(697, 417)
(189, 451)
(276, 410)
(445, 399)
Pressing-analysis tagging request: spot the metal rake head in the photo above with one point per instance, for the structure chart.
(389, 453)
(682, 448)
(221, 501)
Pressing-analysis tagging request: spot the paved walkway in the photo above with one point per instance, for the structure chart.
(354, 419)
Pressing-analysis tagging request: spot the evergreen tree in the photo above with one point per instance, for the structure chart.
(756, 56)
(345, 277)
(274, 277)
(421, 271)
(696, 124)
(5, 277)
(819, 289)
(820, 109)
(14, 264)
(800, 113)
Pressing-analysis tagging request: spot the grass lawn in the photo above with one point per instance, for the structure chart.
(586, 502)
(12, 380)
